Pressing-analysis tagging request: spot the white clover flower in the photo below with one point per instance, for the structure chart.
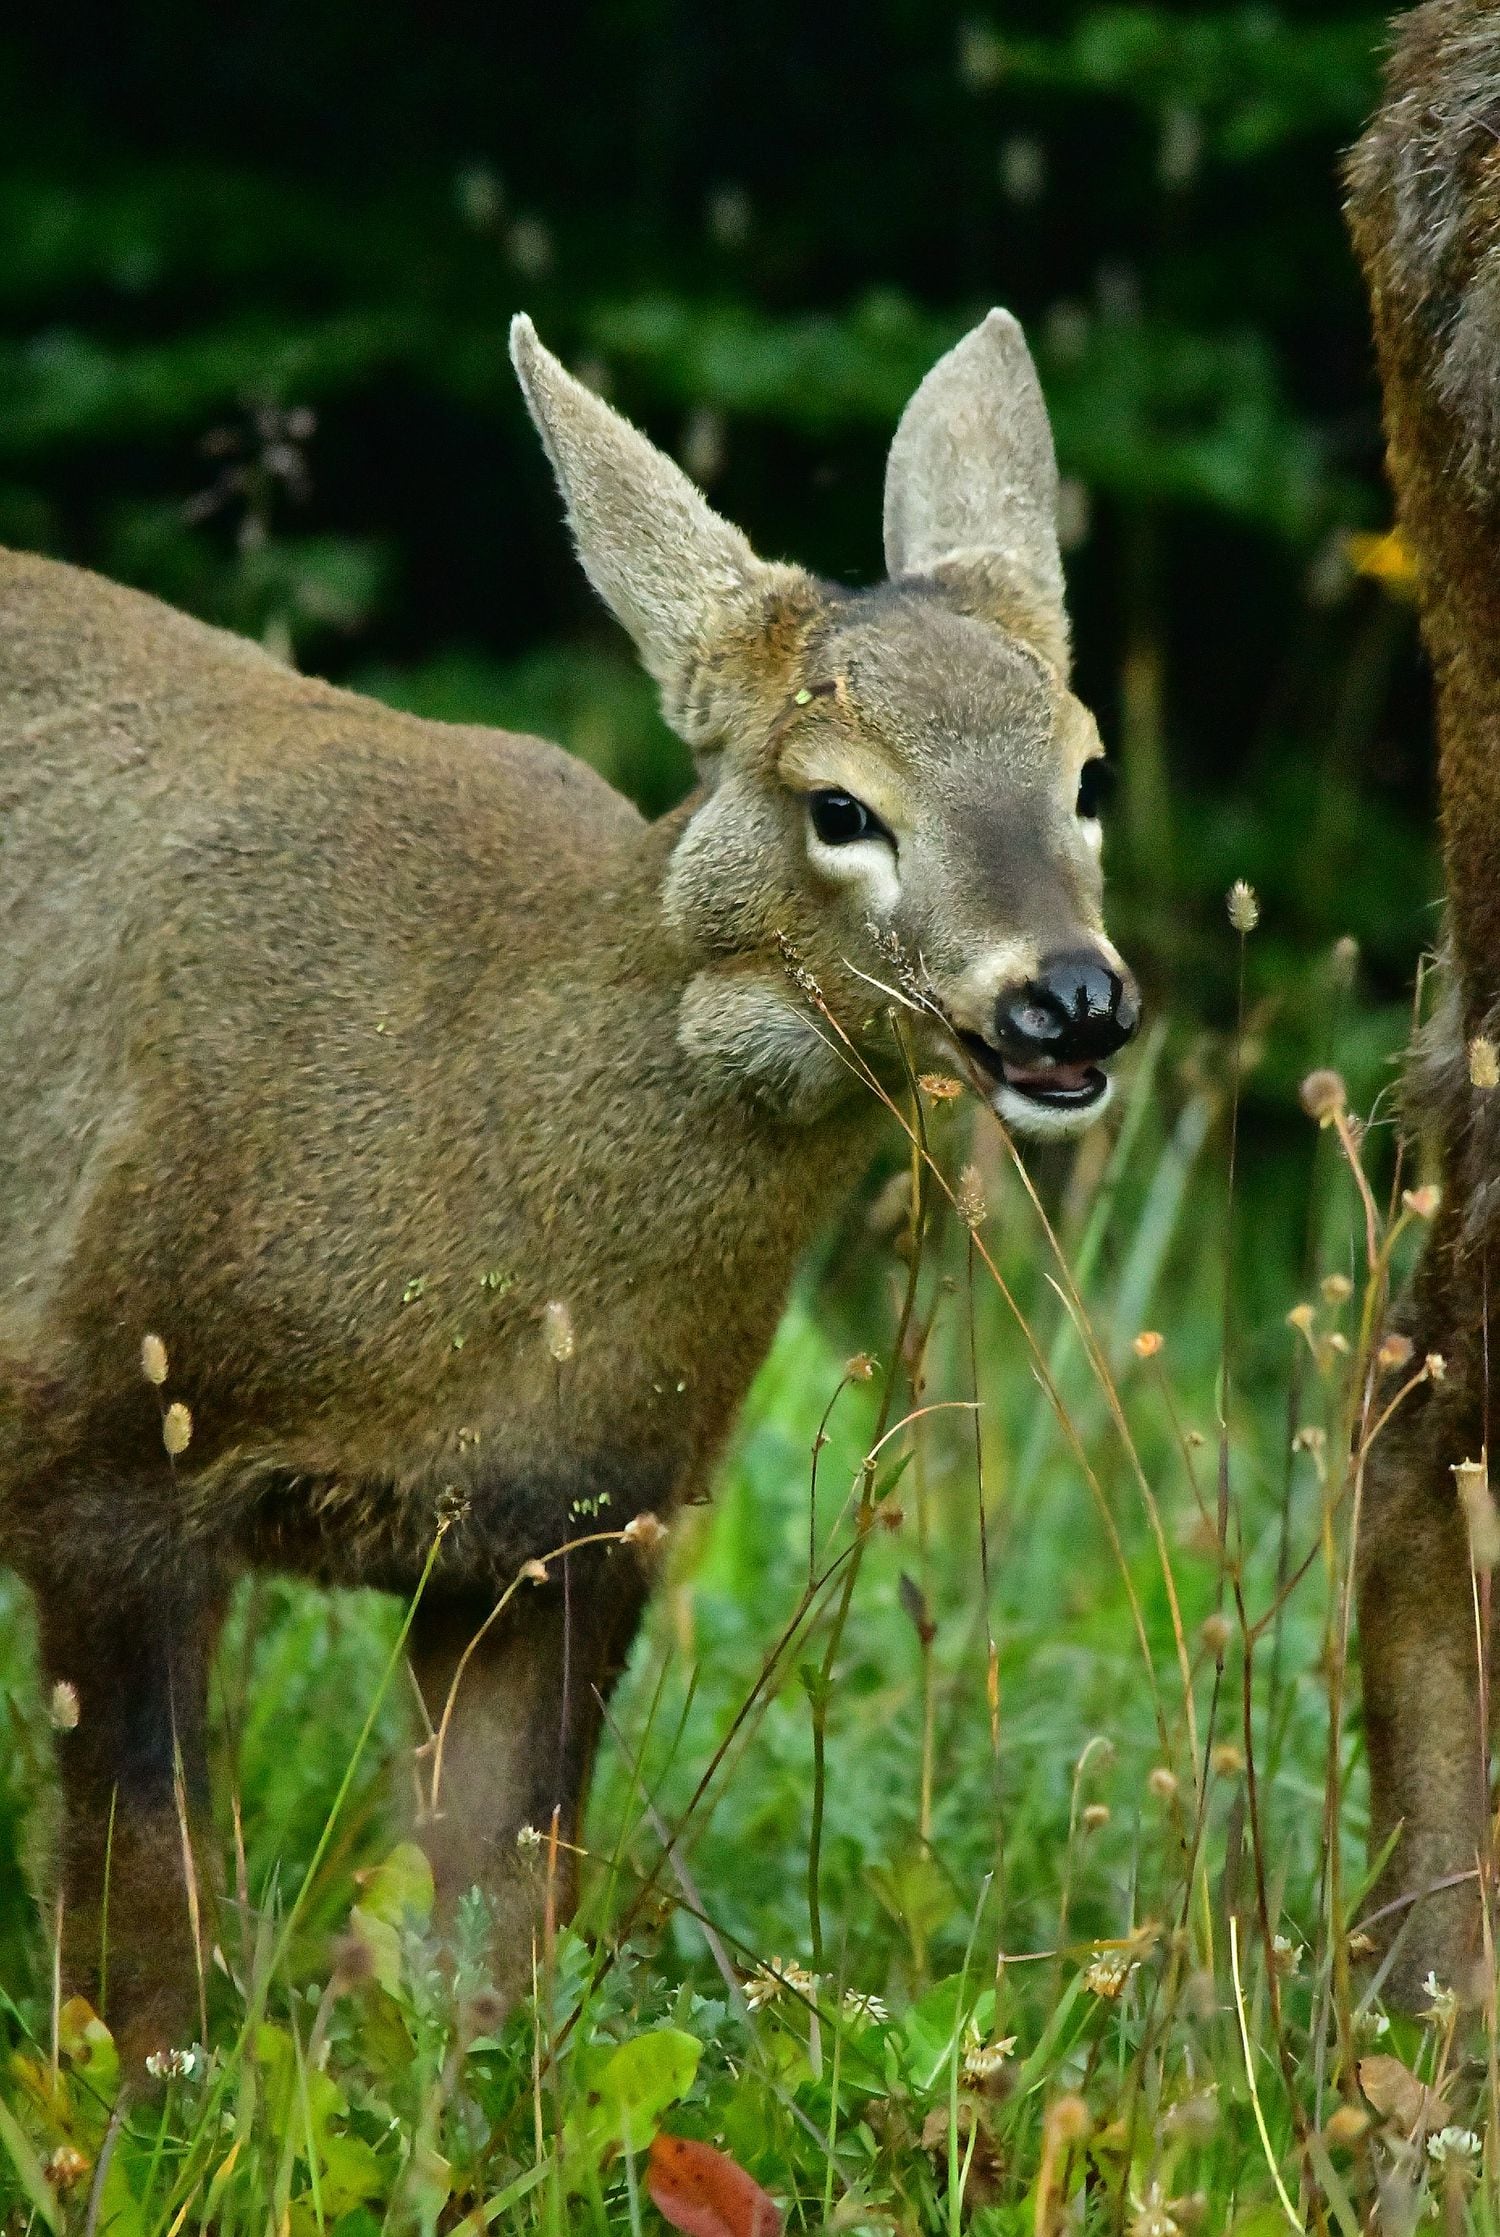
(779, 1973)
(982, 2061)
(176, 2066)
(1442, 2003)
(1108, 1973)
(865, 2011)
(1150, 2216)
(1454, 2149)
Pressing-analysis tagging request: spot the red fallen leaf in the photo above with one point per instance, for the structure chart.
(705, 2193)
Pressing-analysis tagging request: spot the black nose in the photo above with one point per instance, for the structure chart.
(1075, 1011)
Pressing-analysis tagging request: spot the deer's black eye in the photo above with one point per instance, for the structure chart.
(837, 817)
(1096, 782)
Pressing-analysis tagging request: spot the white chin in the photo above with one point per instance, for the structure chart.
(1046, 1122)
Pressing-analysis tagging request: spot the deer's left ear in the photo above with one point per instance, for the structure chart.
(971, 488)
(705, 613)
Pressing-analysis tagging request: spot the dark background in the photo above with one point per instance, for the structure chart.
(258, 264)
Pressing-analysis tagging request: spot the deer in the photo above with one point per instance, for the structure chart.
(420, 1144)
(1424, 212)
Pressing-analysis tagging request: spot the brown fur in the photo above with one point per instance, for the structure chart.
(336, 1046)
(1425, 215)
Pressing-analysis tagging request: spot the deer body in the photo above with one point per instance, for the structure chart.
(337, 1118)
(457, 1132)
(1425, 215)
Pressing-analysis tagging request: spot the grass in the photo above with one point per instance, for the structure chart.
(975, 1845)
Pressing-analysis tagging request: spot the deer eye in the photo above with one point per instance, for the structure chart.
(1096, 782)
(838, 818)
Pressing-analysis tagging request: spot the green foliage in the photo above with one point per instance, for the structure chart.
(1251, 78)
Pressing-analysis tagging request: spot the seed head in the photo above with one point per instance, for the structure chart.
(1148, 1343)
(177, 1428)
(535, 1572)
(646, 1531)
(1310, 1438)
(1095, 1815)
(1395, 1351)
(1422, 1202)
(557, 1332)
(860, 1369)
(1244, 908)
(154, 1360)
(1323, 1096)
(1337, 1289)
(528, 1840)
(1472, 1481)
(938, 1087)
(66, 2167)
(1301, 1317)
(1163, 1782)
(1346, 2126)
(969, 1196)
(1484, 1063)
(1436, 1367)
(1068, 2120)
(1227, 1761)
(62, 1707)
(1216, 1631)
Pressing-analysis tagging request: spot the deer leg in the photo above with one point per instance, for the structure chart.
(136, 1917)
(1429, 1783)
(516, 1724)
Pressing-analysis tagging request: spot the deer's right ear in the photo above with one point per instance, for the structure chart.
(684, 583)
(971, 488)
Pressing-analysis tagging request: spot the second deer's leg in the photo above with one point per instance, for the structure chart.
(519, 1738)
(1420, 1653)
(135, 1881)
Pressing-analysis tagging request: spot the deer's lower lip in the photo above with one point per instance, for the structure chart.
(1055, 1087)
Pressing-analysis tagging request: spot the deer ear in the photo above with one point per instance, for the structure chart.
(971, 488)
(680, 579)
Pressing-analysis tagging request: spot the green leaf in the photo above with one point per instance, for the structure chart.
(932, 2026)
(87, 2044)
(394, 1895)
(625, 2099)
(28, 2167)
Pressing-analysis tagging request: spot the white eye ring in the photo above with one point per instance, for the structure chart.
(869, 864)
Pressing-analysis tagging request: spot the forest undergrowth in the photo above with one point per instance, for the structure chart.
(979, 1840)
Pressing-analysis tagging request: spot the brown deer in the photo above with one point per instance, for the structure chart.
(454, 1133)
(1425, 214)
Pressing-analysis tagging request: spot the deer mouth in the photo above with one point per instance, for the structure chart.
(1046, 1086)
